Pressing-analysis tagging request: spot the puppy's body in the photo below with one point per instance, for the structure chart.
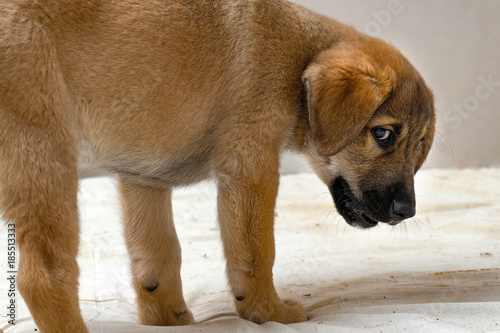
(168, 93)
(181, 77)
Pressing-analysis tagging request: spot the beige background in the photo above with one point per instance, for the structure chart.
(455, 44)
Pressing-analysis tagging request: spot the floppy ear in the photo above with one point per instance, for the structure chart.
(344, 88)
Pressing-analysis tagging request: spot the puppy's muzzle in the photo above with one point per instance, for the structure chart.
(391, 205)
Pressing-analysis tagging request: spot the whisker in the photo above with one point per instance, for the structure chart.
(417, 223)
(314, 198)
(443, 141)
(300, 166)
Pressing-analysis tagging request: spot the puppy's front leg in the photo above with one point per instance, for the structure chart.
(246, 215)
(155, 254)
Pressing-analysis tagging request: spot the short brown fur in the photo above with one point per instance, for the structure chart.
(169, 93)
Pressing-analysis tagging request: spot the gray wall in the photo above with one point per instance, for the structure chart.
(455, 44)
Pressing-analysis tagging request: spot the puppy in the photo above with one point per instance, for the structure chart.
(168, 93)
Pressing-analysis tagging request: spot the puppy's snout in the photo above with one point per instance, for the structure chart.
(402, 210)
(392, 204)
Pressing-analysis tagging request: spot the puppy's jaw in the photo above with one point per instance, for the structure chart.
(349, 207)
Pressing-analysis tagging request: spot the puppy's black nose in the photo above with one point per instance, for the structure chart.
(402, 210)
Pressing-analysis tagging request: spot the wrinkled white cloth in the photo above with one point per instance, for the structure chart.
(436, 272)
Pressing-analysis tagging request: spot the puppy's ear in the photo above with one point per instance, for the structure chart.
(344, 88)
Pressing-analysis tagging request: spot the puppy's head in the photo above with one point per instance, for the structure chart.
(371, 125)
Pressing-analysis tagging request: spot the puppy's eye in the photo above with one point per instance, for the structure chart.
(383, 136)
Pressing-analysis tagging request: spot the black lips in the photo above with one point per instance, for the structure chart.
(348, 206)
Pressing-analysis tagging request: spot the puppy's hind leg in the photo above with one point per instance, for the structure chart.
(38, 178)
(155, 254)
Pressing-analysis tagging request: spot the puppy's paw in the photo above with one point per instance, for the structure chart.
(172, 318)
(183, 318)
(285, 311)
(294, 312)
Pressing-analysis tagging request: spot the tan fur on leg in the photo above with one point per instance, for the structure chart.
(38, 176)
(155, 254)
(246, 215)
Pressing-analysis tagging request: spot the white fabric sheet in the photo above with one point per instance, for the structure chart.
(436, 272)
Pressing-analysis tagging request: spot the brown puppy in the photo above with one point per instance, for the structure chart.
(168, 93)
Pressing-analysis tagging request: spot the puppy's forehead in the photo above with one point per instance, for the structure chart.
(411, 102)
